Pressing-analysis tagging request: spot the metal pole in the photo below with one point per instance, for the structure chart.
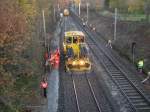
(44, 28)
(79, 9)
(58, 8)
(87, 11)
(74, 7)
(48, 47)
(133, 51)
(54, 14)
(115, 24)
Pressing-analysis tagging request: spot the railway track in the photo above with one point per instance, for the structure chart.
(79, 95)
(137, 99)
(86, 101)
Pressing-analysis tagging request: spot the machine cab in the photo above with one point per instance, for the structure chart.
(72, 39)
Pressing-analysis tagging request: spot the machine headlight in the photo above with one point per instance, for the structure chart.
(74, 63)
(81, 62)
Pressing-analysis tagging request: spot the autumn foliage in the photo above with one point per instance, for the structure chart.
(16, 19)
(12, 29)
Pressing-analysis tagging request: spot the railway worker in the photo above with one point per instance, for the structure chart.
(94, 29)
(55, 58)
(84, 24)
(61, 15)
(109, 43)
(57, 51)
(140, 65)
(44, 86)
(147, 78)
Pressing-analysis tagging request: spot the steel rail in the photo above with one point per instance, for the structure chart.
(90, 86)
(123, 93)
(112, 78)
(94, 96)
(131, 83)
(91, 90)
(75, 92)
(118, 65)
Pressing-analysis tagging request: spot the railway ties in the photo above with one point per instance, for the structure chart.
(138, 100)
(129, 89)
(86, 100)
(140, 103)
(134, 96)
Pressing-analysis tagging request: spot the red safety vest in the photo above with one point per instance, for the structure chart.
(44, 84)
(57, 59)
(55, 56)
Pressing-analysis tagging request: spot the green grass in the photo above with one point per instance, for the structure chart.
(124, 17)
(4, 108)
(132, 17)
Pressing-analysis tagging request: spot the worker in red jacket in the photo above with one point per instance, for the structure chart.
(55, 58)
(44, 86)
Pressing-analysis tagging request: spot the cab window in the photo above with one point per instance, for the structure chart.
(75, 39)
(81, 39)
(69, 40)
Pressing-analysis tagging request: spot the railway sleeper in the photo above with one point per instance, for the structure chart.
(132, 94)
(126, 87)
(116, 74)
(141, 105)
(123, 82)
(135, 97)
(138, 100)
(118, 78)
(111, 68)
(129, 90)
(144, 109)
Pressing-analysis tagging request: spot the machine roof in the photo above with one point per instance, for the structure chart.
(72, 33)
